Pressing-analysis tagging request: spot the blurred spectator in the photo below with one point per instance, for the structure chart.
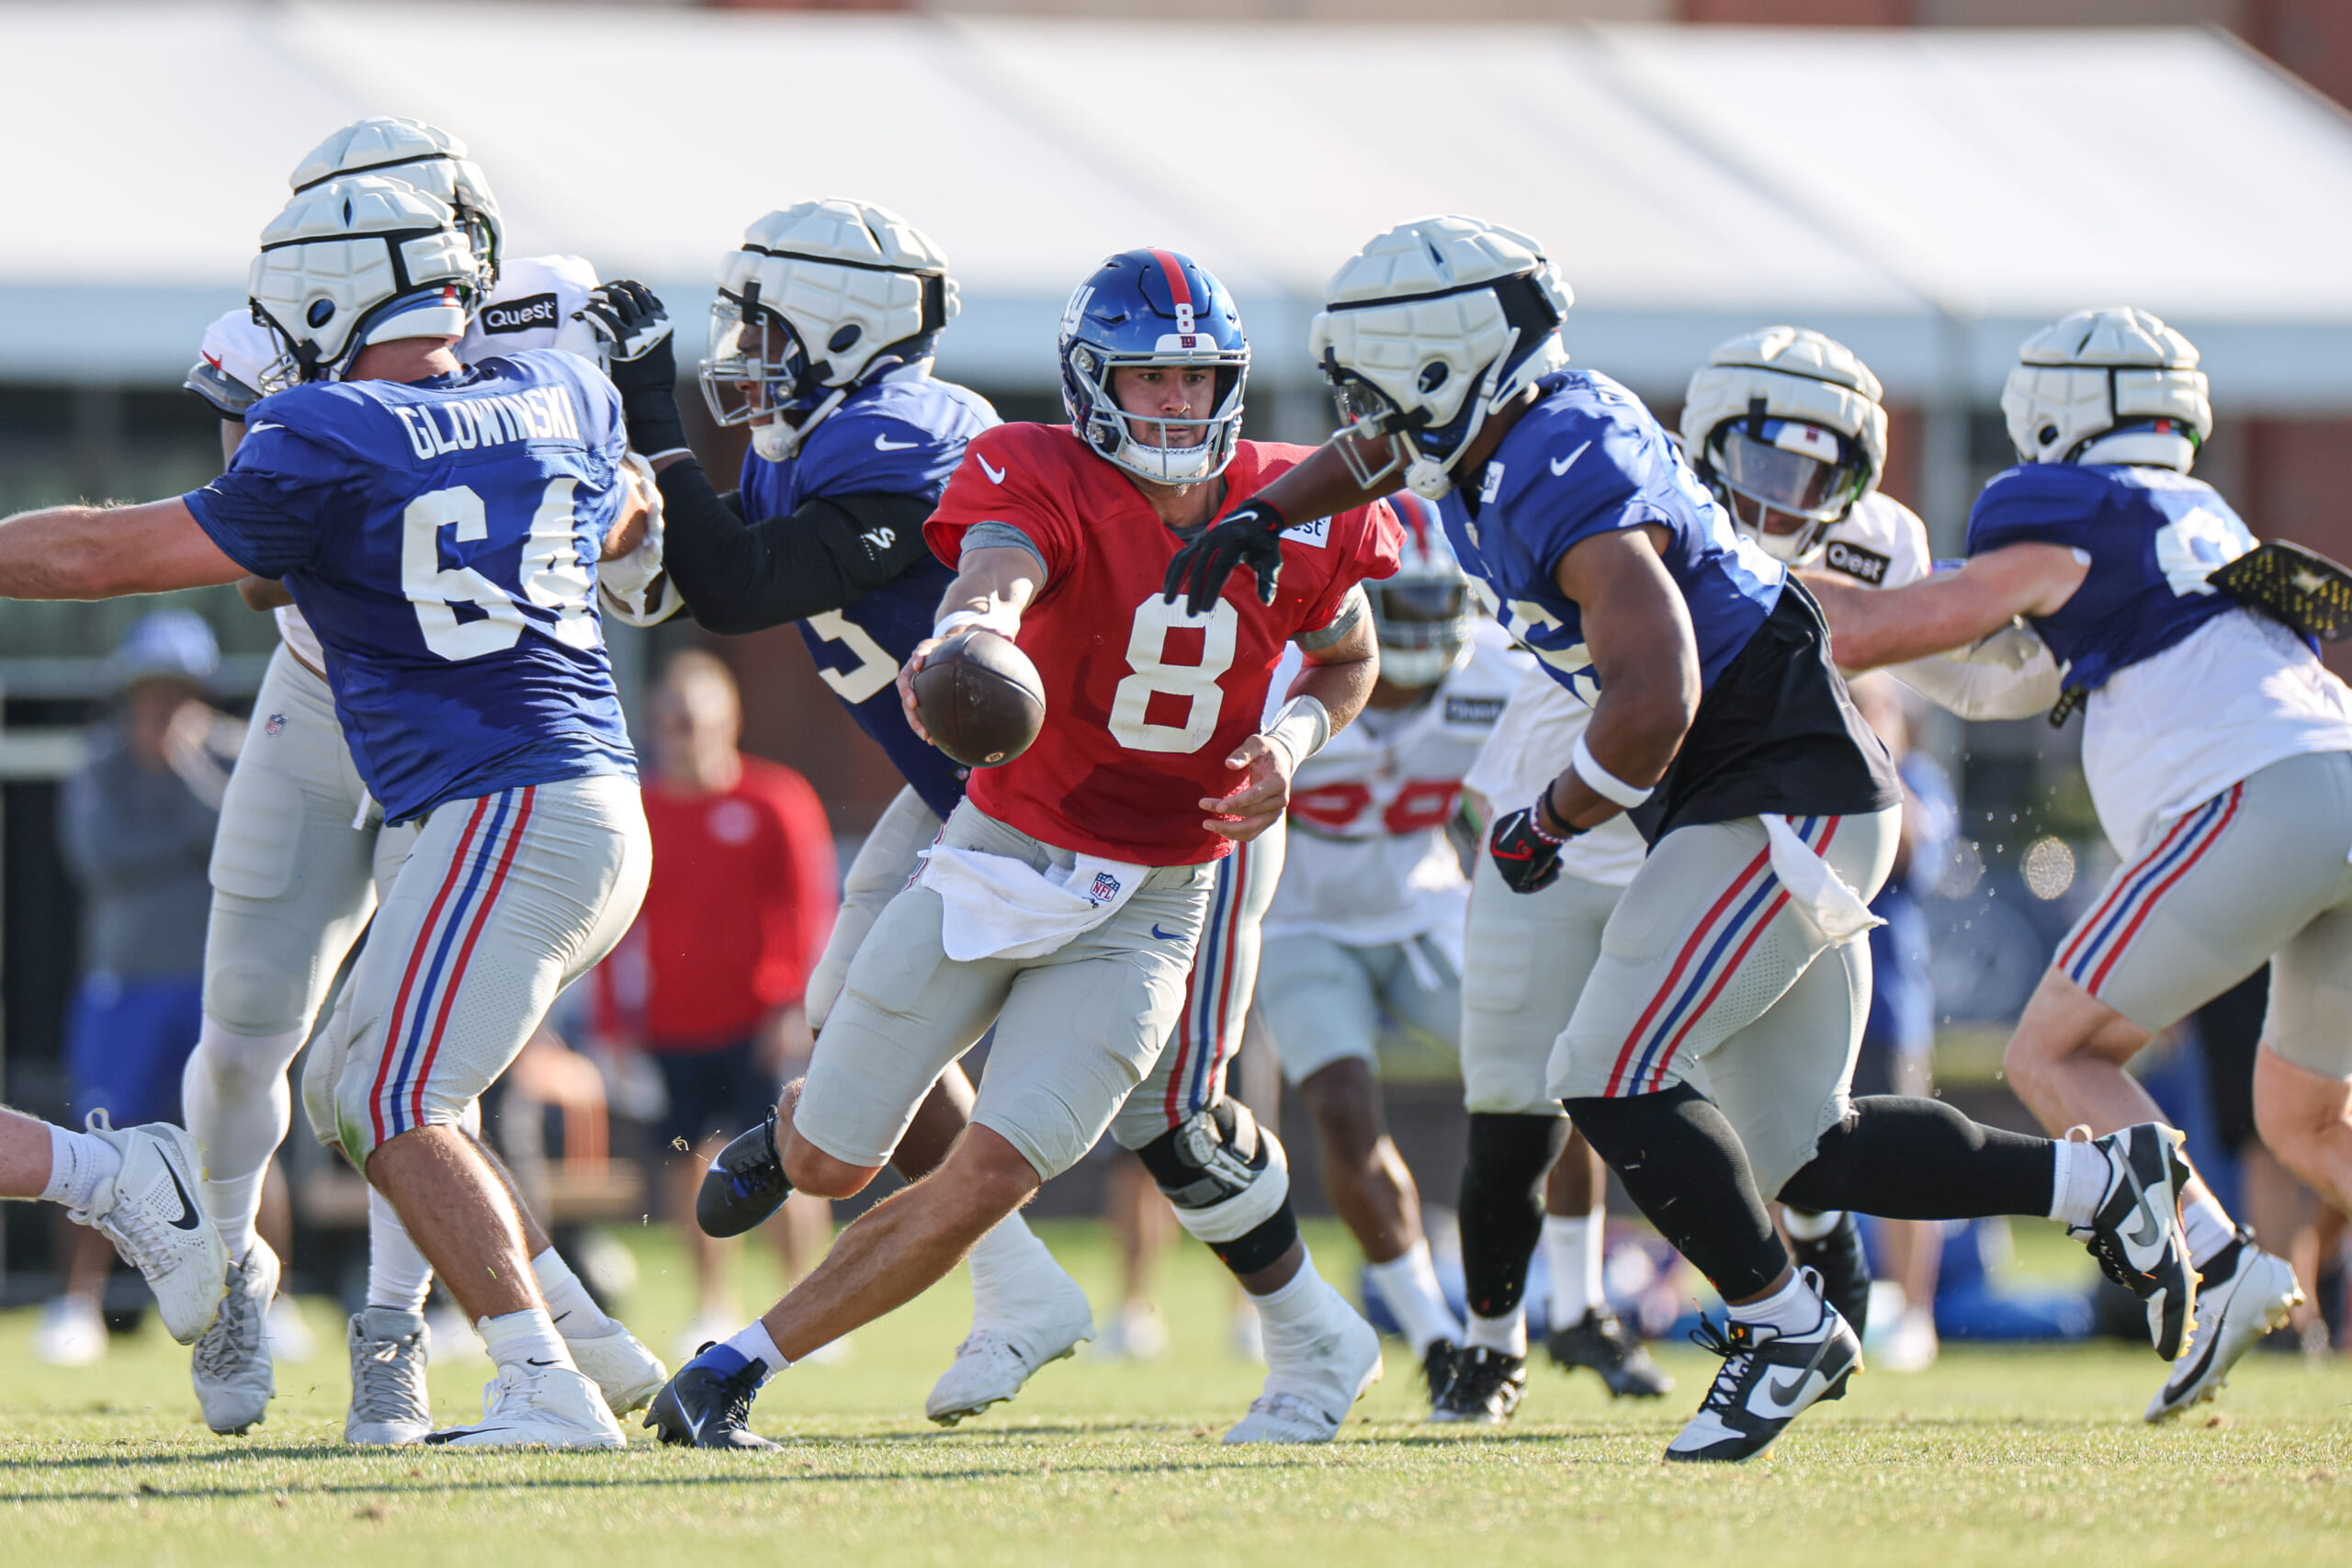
(709, 985)
(136, 825)
(1899, 1037)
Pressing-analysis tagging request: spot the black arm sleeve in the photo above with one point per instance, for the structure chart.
(744, 577)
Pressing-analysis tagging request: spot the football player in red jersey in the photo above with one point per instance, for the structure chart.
(1066, 898)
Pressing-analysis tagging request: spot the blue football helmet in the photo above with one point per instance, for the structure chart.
(1154, 308)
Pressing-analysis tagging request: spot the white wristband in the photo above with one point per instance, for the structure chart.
(1302, 727)
(999, 619)
(1601, 781)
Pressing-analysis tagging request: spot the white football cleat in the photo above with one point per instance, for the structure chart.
(1306, 1396)
(995, 1359)
(1769, 1378)
(151, 1212)
(624, 1370)
(388, 1404)
(2246, 1294)
(537, 1407)
(232, 1368)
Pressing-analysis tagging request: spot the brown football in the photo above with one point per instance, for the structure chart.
(980, 698)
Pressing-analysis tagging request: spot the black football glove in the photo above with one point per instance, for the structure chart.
(1527, 856)
(629, 320)
(1251, 536)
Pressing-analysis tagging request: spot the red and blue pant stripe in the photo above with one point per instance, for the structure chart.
(438, 960)
(2105, 933)
(1206, 1031)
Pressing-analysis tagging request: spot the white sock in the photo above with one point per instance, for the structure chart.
(1408, 1284)
(574, 1311)
(398, 1277)
(239, 1107)
(2208, 1227)
(756, 1344)
(1508, 1335)
(1010, 1265)
(1807, 1227)
(517, 1338)
(1572, 1251)
(1295, 1306)
(77, 1163)
(2080, 1181)
(1792, 1309)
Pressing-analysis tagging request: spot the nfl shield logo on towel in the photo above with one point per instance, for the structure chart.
(1106, 887)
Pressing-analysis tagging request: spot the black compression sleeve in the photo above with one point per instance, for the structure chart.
(744, 577)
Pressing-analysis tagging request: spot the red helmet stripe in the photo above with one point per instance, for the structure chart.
(1178, 291)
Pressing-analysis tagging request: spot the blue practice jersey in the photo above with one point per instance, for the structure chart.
(888, 438)
(441, 536)
(2151, 537)
(1588, 458)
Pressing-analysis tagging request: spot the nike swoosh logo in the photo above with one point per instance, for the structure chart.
(2150, 1230)
(1785, 1390)
(995, 474)
(187, 1220)
(884, 444)
(1562, 464)
(535, 1361)
(257, 428)
(1164, 936)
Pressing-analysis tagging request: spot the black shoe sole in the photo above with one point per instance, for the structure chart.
(744, 1185)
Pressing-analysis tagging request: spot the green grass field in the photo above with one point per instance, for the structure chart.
(2032, 1457)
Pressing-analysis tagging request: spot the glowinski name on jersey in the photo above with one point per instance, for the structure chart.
(460, 424)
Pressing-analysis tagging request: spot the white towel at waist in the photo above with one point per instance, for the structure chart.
(1813, 888)
(1001, 907)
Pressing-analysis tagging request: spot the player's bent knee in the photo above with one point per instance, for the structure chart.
(253, 999)
(1226, 1178)
(811, 1170)
(1344, 1100)
(2295, 1108)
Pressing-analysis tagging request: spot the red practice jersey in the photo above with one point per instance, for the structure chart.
(1143, 702)
(740, 905)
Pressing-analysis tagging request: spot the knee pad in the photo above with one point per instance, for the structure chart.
(1225, 1175)
(255, 999)
(240, 1068)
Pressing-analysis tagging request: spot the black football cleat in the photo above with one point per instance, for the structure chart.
(1845, 1272)
(2136, 1231)
(1769, 1378)
(1487, 1386)
(1604, 1343)
(744, 1185)
(1437, 1368)
(709, 1404)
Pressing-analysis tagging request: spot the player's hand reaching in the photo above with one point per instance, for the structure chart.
(1251, 536)
(629, 320)
(1261, 797)
(907, 686)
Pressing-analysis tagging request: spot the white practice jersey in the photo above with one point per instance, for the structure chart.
(531, 308)
(1882, 544)
(1528, 750)
(1368, 860)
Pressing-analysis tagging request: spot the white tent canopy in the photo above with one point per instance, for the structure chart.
(1928, 196)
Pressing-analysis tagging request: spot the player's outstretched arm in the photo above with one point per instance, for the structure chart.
(994, 584)
(1248, 535)
(104, 552)
(1646, 656)
(1873, 627)
(739, 576)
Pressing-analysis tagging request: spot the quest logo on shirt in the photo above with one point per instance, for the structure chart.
(518, 315)
(1867, 566)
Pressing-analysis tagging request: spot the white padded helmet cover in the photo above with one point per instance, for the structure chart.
(1456, 323)
(2079, 378)
(829, 265)
(416, 153)
(1800, 374)
(328, 266)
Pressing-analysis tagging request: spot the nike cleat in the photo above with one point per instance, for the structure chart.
(1769, 1378)
(1487, 1386)
(1602, 1342)
(2136, 1235)
(388, 1404)
(744, 1185)
(709, 1404)
(2244, 1294)
(1437, 1368)
(532, 1406)
(232, 1368)
(1845, 1272)
(626, 1373)
(150, 1211)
